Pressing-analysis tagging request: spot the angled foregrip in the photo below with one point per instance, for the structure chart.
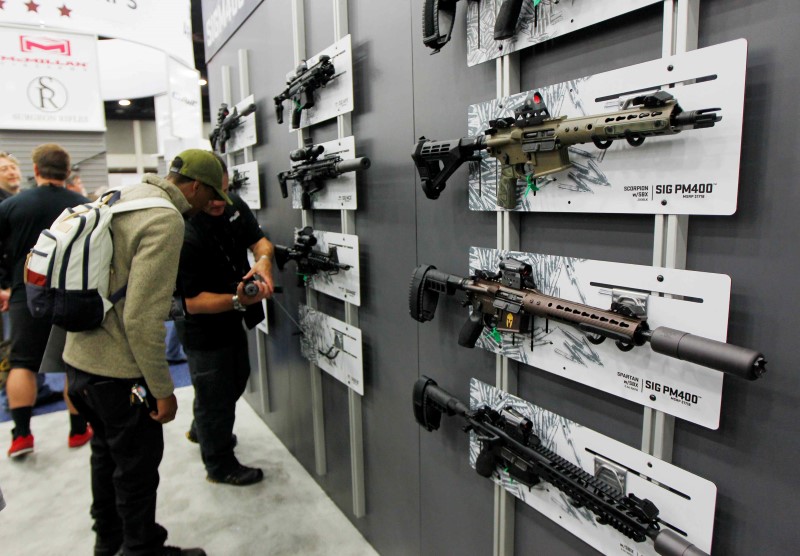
(736, 360)
(471, 330)
(670, 543)
(506, 23)
(279, 109)
(507, 187)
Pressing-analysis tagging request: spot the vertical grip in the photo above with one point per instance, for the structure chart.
(506, 23)
(296, 113)
(284, 187)
(279, 109)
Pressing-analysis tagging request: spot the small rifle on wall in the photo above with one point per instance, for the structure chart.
(301, 85)
(508, 443)
(506, 300)
(239, 180)
(533, 144)
(227, 121)
(312, 172)
(309, 261)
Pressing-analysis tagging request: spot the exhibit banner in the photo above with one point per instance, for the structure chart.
(166, 26)
(50, 81)
(221, 19)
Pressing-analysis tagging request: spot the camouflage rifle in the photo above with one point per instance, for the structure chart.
(509, 443)
(505, 302)
(533, 144)
(227, 121)
(309, 260)
(312, 171)
(301, 85)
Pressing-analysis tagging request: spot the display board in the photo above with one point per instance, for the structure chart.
(334, 346)
(250, 188)
(243, 135)
(692, 172)
(345, 284)
(685, 501)
(337, 193)
(50, 81)
(336, 98)
(554, 19)
(699, 305)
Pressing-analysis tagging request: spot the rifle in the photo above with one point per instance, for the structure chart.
(312, 172)
(504, 301)
(508, 442)
(301, 85)
(227, 121)
(239, 180)
(309, 261)
(504, 27)
(533, 144)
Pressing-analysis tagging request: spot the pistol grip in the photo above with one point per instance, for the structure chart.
(507, 188)
(284, 186)
(279, 111)
(506, 23)
(471, 330)
(296, 114)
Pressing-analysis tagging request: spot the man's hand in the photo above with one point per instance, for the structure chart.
(4, 296)
(263, 268)
(166, 410)
(263, 293)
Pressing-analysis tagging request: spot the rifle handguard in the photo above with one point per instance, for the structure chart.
(728, 358)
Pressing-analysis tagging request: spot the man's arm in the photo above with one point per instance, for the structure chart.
(262, 253)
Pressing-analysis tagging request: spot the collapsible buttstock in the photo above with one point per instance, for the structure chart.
(471, 330)
(506, 23)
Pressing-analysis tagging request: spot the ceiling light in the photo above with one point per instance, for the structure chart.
(124, 102)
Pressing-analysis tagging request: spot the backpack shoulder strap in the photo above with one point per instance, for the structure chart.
(143, 203)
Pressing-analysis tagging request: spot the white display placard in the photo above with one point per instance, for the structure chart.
(243, 135)
(554, 19)
(344, 284)
(676, 387)
(692, 172)
(263, 326)
(334, 346)
(185, 101)
(685, 501)
(336, 98)
(50, 81)
(250, 189)
(338, 193)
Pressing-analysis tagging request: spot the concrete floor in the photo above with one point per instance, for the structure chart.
(48, 496)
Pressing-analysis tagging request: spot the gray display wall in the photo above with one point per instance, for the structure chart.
(421, 495)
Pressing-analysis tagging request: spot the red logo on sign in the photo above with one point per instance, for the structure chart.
(56, 46)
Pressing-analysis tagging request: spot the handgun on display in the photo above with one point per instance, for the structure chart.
(301, 86)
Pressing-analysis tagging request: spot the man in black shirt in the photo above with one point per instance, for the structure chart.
(211, 279)
(22, 218)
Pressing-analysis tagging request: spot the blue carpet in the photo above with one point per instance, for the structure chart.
(179, 372)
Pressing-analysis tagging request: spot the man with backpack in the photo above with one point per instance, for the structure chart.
(118, 375)
(22, 218)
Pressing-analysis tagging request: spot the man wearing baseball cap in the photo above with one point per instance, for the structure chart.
(118, 376)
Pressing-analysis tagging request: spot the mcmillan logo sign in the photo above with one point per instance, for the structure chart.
(45, 44)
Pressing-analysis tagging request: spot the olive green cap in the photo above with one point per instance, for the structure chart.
(202, 166)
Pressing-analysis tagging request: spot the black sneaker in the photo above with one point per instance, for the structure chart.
(175, 551)
(241, 476)
(192, 437)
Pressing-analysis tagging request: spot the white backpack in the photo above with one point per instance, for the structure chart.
(67, 271)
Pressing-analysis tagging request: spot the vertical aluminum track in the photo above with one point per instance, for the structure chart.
(671, 231)
(344, 125)
(508, 83)
(307, 218)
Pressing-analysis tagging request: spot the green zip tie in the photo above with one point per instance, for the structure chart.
(531, 185)
(496, 336)
(297, 105)
(536, 2)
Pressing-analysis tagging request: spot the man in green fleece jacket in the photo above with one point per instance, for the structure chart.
(118, 375)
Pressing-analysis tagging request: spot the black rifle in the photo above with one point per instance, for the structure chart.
(227, 121)
(312, 171)
(239, 180)
(506, 300)
(508, 442)
(439, 15)
(301, 85)
(309, 261)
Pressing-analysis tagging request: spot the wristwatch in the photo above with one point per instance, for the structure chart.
(237, 305)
